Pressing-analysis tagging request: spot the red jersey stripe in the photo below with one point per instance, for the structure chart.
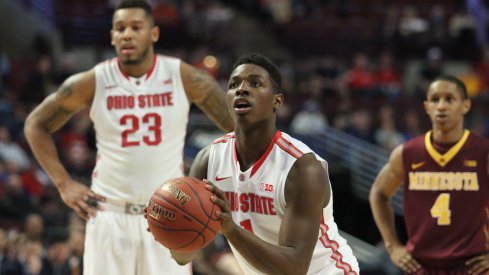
(262, 159)
(289, 147)
(120, 69)
(336, 256)
(152, 68)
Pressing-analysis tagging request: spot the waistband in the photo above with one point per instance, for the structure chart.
(445, 264)
(124, 207)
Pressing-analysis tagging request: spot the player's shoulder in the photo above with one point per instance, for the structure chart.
(478, 141)
(291, 145)
(224, 139)
(107, 63)
(166, 59)
(415, 142)
(478, 138)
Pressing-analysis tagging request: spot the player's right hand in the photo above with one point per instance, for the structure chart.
(80, 198)
(403, 259)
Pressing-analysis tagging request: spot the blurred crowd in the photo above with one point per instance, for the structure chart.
(371, 92)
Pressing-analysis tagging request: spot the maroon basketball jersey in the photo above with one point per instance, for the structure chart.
(446, 199)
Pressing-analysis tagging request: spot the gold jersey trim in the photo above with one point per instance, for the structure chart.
(442, 160)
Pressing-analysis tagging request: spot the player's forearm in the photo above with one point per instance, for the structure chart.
(384, 218)
(266, 257)
(44, 149)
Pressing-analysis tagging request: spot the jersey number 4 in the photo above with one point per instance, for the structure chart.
(153, 120)
(441, 209)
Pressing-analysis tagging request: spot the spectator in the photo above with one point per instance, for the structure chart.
(360, 78)
(9, 264)
(387, 135)
(11, 152)
(387, 77)
(310, 120)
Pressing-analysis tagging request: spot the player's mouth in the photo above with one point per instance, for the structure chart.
(128, 49)
(441, 117)
(241, 106)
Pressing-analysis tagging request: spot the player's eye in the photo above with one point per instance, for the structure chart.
(256, 84)
(232, 85)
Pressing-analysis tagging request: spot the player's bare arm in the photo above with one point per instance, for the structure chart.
(479, 264)
(388, 181)
(205, 92)
(306, 194)
(199, 171)
(74, 94)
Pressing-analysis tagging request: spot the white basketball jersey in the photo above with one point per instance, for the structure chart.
(140, 126)
(257, 200)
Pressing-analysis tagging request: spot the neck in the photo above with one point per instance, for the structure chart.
(451, 136)
(140, 68)
(252, 144)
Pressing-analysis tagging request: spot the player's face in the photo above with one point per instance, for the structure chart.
(133, 35)
(251, 97)
(445, 105)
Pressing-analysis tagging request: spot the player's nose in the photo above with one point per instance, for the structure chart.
(127, 34)
(243, 89)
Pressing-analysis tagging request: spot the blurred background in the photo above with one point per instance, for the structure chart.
(355, 74)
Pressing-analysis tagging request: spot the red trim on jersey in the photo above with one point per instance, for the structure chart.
(260, 161)
(120, 69)
(336, 256)
(152, 68)
(289, 147)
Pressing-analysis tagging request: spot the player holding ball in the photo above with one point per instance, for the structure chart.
(274, 194)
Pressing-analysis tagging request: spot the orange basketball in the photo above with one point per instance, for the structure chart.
(181, 215)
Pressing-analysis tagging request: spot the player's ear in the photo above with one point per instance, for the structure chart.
(278, 101)
(155, 33)
(425, 105)
(467, 103)
(112, 37)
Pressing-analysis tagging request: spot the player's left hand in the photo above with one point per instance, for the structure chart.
(479, 264)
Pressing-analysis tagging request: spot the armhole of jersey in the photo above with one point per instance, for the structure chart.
(176, 66)
(210, 165)
(98, 72)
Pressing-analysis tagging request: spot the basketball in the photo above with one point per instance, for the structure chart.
(181, 215)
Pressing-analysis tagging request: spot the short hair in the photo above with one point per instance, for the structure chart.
(459, 83)
(264, 62)
(130, 4)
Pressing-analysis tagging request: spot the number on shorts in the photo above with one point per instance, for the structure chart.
(441, 209)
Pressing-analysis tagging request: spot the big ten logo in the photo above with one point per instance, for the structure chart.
(266, 187)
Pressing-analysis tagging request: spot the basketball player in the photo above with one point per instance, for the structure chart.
(139, 103)
(446, 191)
(274, 192)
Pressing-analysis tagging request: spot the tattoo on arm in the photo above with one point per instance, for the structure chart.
(214, 103)
(65, 90)
(56, 116)
(217, 110)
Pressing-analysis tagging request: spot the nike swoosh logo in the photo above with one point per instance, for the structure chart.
(415, 166)
(219, 179)
(110, 86)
